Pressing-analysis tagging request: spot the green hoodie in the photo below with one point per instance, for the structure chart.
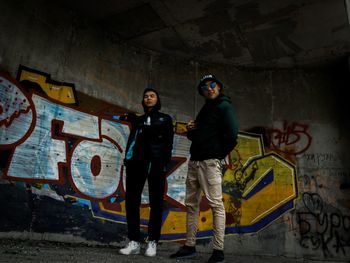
(216, 132)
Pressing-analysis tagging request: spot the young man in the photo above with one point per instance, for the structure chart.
(147, 154)
(213, 135)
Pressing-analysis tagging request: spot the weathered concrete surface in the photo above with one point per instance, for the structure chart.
(39, 251)
(306, 111)
(243, 33)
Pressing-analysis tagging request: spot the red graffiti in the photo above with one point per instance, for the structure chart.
(292, 139)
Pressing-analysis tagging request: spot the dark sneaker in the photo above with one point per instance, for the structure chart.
(184, 252)
(217, 256)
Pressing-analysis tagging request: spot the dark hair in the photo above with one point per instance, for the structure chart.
(156, 107)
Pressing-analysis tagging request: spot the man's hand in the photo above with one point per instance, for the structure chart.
(191, 125)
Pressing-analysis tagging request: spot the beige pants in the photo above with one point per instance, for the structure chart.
(205, 176)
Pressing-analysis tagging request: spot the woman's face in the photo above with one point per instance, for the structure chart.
(150, 99)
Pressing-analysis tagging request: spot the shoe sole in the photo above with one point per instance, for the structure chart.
(133, 253)
(186, 257)
(153, 255)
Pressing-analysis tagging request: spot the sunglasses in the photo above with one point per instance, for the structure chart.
(206, 87)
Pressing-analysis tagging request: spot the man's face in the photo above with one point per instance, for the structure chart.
(210, 90)
(150, 99)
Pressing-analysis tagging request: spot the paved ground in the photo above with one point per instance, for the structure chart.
(40, 251)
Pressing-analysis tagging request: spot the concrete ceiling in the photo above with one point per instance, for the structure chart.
(247, 33)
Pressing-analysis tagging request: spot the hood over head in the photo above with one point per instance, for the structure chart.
(156, 107)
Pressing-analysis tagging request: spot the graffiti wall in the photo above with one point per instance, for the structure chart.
(321, 222)
(53, 150)
(323, 213)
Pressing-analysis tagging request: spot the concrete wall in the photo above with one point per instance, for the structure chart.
(301, 114)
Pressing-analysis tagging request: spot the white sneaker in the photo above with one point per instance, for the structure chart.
(132, 248)
(151, 249)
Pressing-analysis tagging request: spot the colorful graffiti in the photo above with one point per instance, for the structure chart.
(76, 156)
(63, 92)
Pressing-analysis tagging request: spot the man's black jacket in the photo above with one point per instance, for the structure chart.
(150, 141)
(216, 132)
